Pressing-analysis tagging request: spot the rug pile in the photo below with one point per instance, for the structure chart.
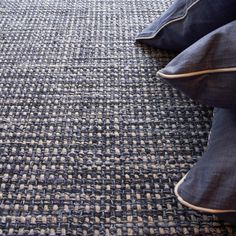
(91, 141)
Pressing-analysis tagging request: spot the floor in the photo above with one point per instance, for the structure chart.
(91, 141)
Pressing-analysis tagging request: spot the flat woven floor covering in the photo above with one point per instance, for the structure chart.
(91, 141)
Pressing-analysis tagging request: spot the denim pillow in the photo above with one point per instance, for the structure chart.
(206, 71)
(210, 186)
(186, 21)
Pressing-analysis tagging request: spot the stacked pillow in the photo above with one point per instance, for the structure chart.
(204, 32)
(210, 186)
(206, 71)
(185, 22)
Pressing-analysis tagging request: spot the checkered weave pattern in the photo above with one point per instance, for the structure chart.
(91, 141)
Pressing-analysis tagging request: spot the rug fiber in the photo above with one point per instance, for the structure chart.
(91, 141)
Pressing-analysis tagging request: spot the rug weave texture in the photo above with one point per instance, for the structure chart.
(91, 141)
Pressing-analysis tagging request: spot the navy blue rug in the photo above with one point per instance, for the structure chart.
(91, 141)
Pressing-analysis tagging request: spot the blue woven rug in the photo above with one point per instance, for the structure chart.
(91, 142)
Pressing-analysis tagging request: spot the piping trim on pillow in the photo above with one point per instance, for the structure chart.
(169, 22)
(189, 205)
(201, 72)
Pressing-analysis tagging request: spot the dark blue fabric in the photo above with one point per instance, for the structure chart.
(216, 50)
(228, 217)
(202, 18)
(211, 183)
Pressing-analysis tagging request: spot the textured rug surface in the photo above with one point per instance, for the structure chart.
(91, 141)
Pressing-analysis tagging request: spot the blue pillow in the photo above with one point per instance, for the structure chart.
(210, 186)
(186, 21)
(206, 71)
